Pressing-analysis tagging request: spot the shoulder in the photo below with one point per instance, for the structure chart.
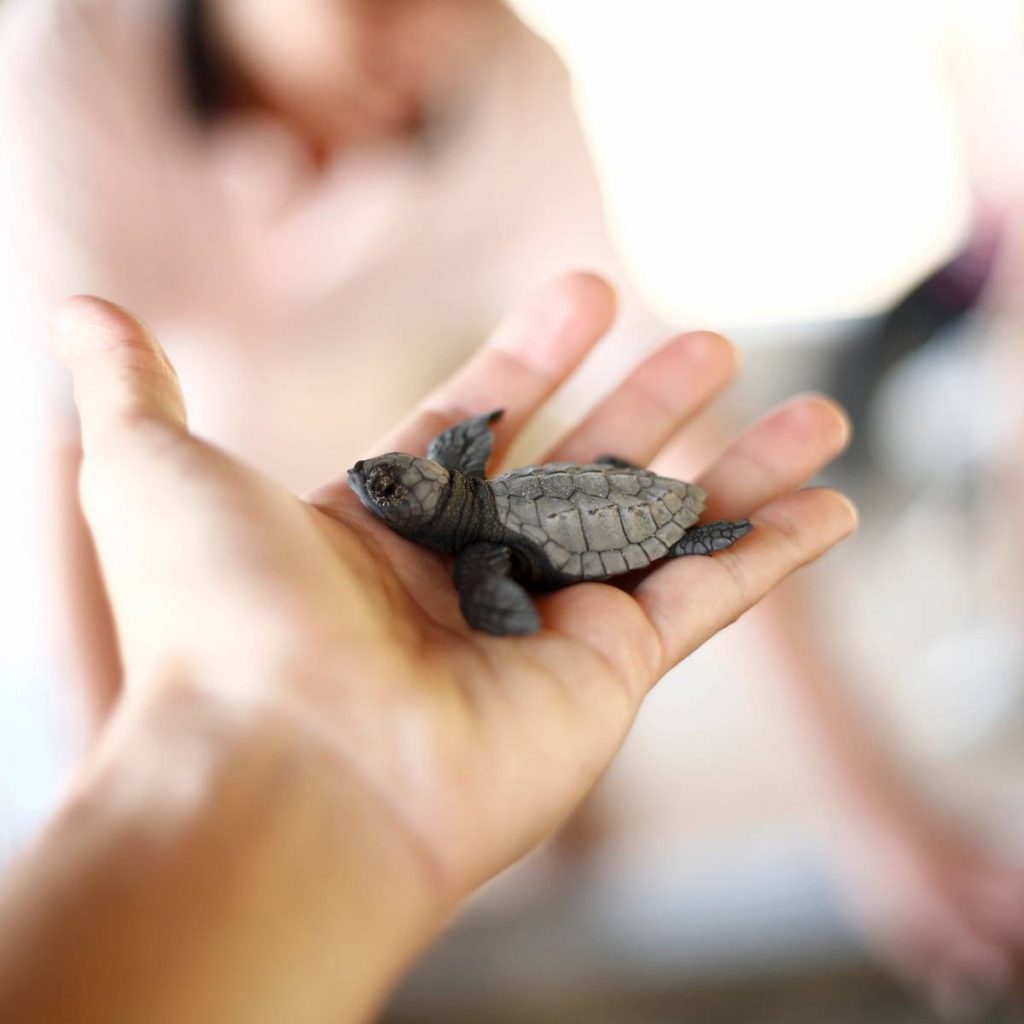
(528, 80)
(52, 51)
(35, 33)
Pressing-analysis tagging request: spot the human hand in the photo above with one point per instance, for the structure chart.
(475, 746)
(943, 912)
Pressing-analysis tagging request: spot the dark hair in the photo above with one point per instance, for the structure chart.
(203, 76)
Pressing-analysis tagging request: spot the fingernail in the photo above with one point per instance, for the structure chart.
(851, 508)
(709, 345)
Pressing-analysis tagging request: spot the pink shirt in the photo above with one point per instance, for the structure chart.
(305, 311)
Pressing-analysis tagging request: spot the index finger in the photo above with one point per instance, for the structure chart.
(524, 361)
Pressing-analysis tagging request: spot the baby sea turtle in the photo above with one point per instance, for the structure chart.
(539, 527)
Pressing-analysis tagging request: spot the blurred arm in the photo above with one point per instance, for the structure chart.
(855, 769)
(942, 909)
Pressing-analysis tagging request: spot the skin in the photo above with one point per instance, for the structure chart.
(347, 72)
(315, 759)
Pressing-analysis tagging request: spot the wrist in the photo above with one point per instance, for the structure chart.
(286, 825)
(244, 869)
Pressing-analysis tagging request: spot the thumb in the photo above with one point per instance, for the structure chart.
(123, 381)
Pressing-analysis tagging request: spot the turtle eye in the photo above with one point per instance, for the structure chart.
(385, 488)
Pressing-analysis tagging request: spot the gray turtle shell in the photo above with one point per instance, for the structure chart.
(594, 521)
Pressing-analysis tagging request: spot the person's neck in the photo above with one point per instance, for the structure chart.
(216, 82)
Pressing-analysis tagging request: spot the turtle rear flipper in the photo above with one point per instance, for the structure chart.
(490, 599)
(711, 537)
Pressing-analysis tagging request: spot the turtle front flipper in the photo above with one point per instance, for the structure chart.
(466, 446)
(711, 537)
(490, 599)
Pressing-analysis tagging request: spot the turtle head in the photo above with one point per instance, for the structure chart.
(405, 491)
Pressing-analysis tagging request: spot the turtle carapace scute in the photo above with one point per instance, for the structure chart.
(534, 528)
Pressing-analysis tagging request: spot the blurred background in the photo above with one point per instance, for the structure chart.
(322, 207)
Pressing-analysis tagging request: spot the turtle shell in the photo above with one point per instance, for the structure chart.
(595, 521)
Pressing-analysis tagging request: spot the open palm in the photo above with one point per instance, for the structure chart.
(477, 746)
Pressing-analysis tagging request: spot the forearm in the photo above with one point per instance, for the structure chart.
(856, 771)
(210, 869)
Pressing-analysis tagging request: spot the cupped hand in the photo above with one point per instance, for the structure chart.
(475, 746)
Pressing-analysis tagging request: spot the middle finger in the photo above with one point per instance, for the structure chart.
(663, 393)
